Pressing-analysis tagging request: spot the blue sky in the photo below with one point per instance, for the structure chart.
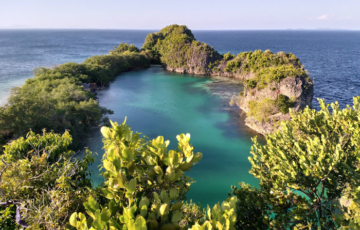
(196, 14)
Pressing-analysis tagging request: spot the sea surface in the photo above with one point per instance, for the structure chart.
(157, 102)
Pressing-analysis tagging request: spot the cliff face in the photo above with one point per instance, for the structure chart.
(298, 90)
(179, 52)
(274, 82)
(197, 59)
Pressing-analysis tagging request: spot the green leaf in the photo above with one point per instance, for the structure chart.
(197, 157)
(164, 209)
(109, 166)
(158, 170)
(91, 205)
(131, 186)
(128, 154)
(105, 215)
(140, 223)
(176, 216)
(73, 219)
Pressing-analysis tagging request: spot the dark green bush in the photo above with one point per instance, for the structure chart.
(124, 47)
(250, 83)
(284, 103)
(228, 56)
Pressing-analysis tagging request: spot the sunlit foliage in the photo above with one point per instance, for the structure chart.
(146, 186)
(41, 177)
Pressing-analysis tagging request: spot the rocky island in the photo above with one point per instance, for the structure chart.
(303, 170)
(273, 83)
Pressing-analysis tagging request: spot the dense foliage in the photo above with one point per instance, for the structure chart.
(266, 66)
(305, 169)
(308, 173)
(42, 179)
(178, 48)
(55, 99)
(262, 110)
(123, 47)
(145, 186)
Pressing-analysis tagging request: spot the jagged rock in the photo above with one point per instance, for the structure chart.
(272, 74)
(300, 89)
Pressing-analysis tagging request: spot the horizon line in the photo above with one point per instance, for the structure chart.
(82, 28)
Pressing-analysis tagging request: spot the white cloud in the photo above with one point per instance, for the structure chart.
(325, 17)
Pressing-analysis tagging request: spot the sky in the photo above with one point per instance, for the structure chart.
(196, 14)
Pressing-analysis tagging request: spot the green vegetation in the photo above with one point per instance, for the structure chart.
(55, 99)
(266, 66)
(228, 56)
(42, 179)
(304, 170)
(124, 47)
(145, 186)
(177, 48)
(261, 110)
(284, 103)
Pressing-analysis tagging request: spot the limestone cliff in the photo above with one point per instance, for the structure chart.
(274, 82)
(297, 90)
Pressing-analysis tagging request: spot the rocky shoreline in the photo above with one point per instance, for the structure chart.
(273, 82)
(300, 88)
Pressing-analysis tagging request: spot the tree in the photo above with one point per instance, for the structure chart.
(305, 168)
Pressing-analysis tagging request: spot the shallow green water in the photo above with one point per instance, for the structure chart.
(157, 102)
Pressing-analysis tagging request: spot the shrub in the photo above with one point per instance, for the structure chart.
(124, 47)
(42, 179)
(261, 110)
(145, 186)
(228, 56)
(250, 83)
(284, 103)
(305, 168)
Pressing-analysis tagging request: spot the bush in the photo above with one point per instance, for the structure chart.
(251, 208)
(305, 168)
(42, 179)
(284, 103)
(145, 186)
(261, 110)
(250, 83)
(228, 56)
(124, 47)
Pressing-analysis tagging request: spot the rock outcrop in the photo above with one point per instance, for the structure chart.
(298, 89)
(274, 82)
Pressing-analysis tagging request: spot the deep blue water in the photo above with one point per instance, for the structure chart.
(161, 103)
